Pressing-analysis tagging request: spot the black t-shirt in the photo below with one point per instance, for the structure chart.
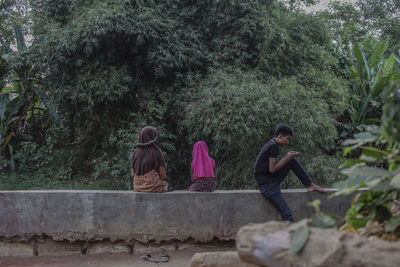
(261, 168)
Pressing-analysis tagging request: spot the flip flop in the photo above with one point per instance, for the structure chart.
(164, 257)
(149, 258)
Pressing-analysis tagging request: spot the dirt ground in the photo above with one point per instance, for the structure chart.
(177, 259)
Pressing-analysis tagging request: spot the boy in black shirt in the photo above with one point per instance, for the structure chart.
(269, 173)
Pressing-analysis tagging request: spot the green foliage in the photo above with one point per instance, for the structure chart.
(354, 219)
(323, 221)
(4, 99)
(370, 73)
(280, 53)
(392, 224)
(319, 219)
(354, 21)
(361, 175)
(12, 12)
(49, 159)
(225, 72)
(345, 22)
(99, 73)
(296, 4)
(54, 164)
(115, 160)
(391, 115)
(378, 168)
(19, 101)
(382, 18)
(5, 135)
(32, 180)
(299, 236)
(218, 111)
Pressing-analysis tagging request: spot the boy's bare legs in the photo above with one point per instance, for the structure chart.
(314, 187)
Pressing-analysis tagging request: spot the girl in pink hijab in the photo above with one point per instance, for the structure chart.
(202, 170)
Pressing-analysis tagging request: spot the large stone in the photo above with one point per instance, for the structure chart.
(108, 248)
(49, 247)
(268, 245)
(218, 259)
(146, 217)
(16, 249)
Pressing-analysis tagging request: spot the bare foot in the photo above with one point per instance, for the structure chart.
(314, 187)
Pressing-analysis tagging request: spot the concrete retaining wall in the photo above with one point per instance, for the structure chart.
(125, 219)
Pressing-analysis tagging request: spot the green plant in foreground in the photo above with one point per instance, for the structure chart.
(377, 168)
(367, 171)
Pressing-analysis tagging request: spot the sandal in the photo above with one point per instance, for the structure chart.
(164, 257)
(149, 258)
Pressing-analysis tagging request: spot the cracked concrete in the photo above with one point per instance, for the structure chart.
(79, 217)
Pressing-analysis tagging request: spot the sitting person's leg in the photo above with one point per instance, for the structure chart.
(203, 185)
(280, 203)
(298, 170)
(273, 193)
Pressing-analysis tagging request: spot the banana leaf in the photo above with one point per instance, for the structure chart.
(377, 55)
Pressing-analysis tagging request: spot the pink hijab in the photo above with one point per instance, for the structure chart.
(202, 164)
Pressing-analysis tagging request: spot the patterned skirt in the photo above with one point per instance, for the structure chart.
(149, 182)
(203, 185)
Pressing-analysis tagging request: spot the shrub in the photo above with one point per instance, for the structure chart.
(223, 71)
(235, 112)
(115, 158)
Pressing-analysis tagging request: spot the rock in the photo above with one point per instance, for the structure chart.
(372, 228)
(49, 247)
(15, 249)
(268, 245)
(394, 207)
(108, 248)
(218, 259)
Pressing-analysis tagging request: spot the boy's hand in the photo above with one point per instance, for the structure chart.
(292, 154)
(314, 187)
